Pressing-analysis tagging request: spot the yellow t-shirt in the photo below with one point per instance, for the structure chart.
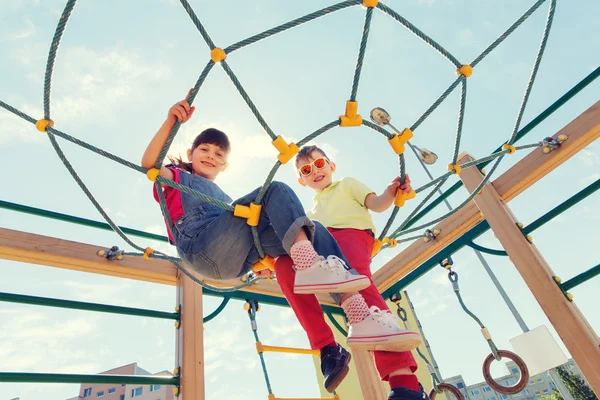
(342, 205)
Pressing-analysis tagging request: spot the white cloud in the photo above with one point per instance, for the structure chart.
(95, 292)
(13, 128)
(466, 37)
(440, 278)
(26, 32)
(285, 330)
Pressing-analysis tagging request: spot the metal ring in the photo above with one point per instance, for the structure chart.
(506, 389)
(453, 276)
(401, 314)
(445, 386)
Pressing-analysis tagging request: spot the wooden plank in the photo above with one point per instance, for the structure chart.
(190, 339)
(582, 131)
(372, 387)
(45, 250)
(570, 324)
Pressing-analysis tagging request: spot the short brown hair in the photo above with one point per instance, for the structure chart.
(306, 152)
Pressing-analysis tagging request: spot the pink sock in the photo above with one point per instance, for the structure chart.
(405, 381)
(356, 308)
(303, 255)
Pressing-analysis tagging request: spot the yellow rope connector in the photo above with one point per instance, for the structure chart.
(401, 197)
(266, 263)
(259, 347)
(454, 167)
(398, 141)
(370, 3)
(252, 213)
(378, 244)
(153, 173)
(42, 124)
(286, 151)
(351, 118)
(217, 54)
(511, 149)
(465, 70)
(148, 252)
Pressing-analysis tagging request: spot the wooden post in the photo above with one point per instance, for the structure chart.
(372, 387)
(575, 332)
(190, 339)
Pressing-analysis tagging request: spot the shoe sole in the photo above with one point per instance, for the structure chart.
(397, 343)
(341, 376)
(353, 285)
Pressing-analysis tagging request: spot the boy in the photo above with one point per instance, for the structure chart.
(343, 207)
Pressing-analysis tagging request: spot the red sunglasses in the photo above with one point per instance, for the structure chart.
(307, 169)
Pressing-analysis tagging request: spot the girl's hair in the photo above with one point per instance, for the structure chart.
(209, 136)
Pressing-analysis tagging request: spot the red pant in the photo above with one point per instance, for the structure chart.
(357, 246)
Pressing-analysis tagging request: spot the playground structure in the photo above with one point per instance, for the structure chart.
(484, 208)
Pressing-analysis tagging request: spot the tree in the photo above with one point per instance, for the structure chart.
(554, 396)
(577, 386)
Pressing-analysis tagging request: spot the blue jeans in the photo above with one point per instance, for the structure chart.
(223, 248)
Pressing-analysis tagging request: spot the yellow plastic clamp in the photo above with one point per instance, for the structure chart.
(259, 347)
(252, 213)
(401, 197)
(378, 244)
(351, 118)
(176, 391)
(557, 279)
(148, 252)
(42, 124)
(177, 324)
(465, 70)
(176, 371)
(153, 173)
(454, 167)
(529, 238)
(370, 3)
(286, 151)
(398, 141)
(511, 149)
(177, 308)
(266, 263)
(217, 54)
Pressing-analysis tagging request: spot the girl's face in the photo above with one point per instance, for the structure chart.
(208, 160)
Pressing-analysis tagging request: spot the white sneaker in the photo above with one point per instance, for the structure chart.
(380, 331)
(328, 276)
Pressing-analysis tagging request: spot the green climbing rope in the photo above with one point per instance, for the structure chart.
(404, 228)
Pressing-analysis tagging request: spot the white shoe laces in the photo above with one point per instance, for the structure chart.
(337, 264)
(384, 317)
(323, 263)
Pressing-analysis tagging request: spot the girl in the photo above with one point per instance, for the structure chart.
(217, 244)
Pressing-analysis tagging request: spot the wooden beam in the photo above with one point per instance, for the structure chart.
(370, 384)
(570, 324)
(190, 339)
(582, 131)
(44, 250)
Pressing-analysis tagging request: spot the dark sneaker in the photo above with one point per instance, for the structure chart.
(334, 365)
(407, 394)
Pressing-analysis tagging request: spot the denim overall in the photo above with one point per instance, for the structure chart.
(218, 245)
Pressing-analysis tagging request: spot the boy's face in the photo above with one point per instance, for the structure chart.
(208, 160)
(318, 178)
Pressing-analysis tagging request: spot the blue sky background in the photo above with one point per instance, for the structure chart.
(121, 65)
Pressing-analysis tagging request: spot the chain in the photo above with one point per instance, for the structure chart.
(435, 380)
(447, 263)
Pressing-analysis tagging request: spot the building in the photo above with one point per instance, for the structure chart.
(124, 391)
(539, 385)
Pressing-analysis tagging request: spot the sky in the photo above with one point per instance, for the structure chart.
(121, 65)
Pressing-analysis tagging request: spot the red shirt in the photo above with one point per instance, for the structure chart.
(173, 198)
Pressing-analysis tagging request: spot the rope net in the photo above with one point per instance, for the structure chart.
(287, 151)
